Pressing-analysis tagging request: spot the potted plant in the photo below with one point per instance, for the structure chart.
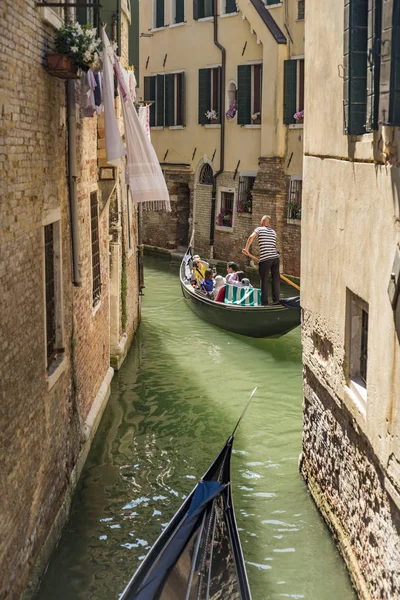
(231, 112)
(224, 218)
(294, 209)
(78, 49)
(246, 205)
(299, 116)
(212, 116)
(256, 118)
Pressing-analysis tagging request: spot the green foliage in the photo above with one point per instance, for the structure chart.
(80, 43)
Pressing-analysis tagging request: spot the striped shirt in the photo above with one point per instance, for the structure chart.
(266, 242)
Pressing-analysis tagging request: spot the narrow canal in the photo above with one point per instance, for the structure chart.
(173, 404)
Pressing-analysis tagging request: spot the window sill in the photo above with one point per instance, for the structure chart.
(214, 126)
(205, 19)
(51, 17)
(157, 128)
(57, 371)
(244, 215)
(177, 127)
(296, 126)
(293, 222)
(274, 5)
(252, 126)
(177, 24)
(300, 20)
(225, 229)
(155, 29)
(355, 399)
(232, 14)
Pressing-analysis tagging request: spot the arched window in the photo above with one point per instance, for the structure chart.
(206, 175)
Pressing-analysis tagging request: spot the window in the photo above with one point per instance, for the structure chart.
(228, 7)
(175, 99)
(178, 11)
(362, 64)
(294, 200)
(300, 10)
(87, 15)
(209, 95)
(225, 212)
(357, 343)
(53, 295)
(245, 198)
(293, 91)
(272, 2)
(96, 272)
(158, 14)
(202, 9)
(206, 175)
(167, 92)
(249, 94)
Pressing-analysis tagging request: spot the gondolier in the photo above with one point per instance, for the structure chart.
(269, 259)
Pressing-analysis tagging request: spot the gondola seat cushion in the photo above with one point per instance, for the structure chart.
(242, 296)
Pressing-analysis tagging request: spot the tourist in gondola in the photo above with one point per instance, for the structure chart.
(199, 268)
(231, 269)
(269, 259)
(207, 284)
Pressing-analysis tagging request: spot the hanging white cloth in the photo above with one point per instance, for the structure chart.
(143, 172)
(132, 84)
(114, 146)
(144, 118)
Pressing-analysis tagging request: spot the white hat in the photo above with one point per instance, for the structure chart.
(219, 281)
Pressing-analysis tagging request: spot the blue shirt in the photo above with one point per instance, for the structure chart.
(207, 285)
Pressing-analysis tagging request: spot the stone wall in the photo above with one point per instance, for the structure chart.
(348, 484)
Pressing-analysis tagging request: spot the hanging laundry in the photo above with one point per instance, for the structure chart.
(132, 85)
(144, 118)
(143, 172)
(88, 86)
(98, 95)
(114, 146)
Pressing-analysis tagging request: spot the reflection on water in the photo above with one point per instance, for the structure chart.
(173, 405)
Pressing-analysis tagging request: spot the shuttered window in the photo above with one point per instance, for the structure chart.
(230, 6)
(300, 10)
(209, 95)
(150, 96)
(159, 13)
(179, 11)
(249, 94)
(290, 92)
(160, 97)
(202, 9)
(174, 99)
(86, 15)
(374, 63)
(395, 68)
(355, 66)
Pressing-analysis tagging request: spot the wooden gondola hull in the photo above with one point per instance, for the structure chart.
(255, 322)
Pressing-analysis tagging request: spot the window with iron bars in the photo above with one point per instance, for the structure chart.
(96, 272)
(364, 346)
(294, 200)
(50, 294)
(300, 10)
(245, 198)
(206, 175)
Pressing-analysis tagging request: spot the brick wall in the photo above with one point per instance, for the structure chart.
(347, 482)
(291, 248)
(40, 420)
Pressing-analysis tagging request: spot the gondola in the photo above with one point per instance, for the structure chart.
(253, 321)
(198, 556)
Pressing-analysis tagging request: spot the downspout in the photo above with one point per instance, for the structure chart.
(222, 117)
(119, 25)
(71, 114)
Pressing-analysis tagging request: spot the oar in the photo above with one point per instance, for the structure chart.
(244, 410)
(282, 276)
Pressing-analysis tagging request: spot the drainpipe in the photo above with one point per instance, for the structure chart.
(71, 113)
(222, 140)
(119, 25)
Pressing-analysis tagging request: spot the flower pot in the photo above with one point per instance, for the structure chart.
(59, 65)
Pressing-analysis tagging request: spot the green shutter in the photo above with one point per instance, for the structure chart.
(230, 6)
(395, 69)
(160, 100)
(150, 96)
(273, 2)
(204, 94)
(289, 91)
(182, 100)
(244, 95)
(386, 62)
(208, 6)
(219, 94)
(160, 13)
(374, 67)
(355, 65)
(169, 100)
(179, 11)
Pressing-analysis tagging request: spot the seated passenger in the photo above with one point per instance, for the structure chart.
(207, 285)
(219, 282)
(231, 269)
(198, 270)
(246, 282)
(240, 275)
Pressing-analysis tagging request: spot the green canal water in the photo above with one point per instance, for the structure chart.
(173, 404)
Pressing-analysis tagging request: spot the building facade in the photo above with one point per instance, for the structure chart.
(69, 298)
(350, 284)
(224, 90)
